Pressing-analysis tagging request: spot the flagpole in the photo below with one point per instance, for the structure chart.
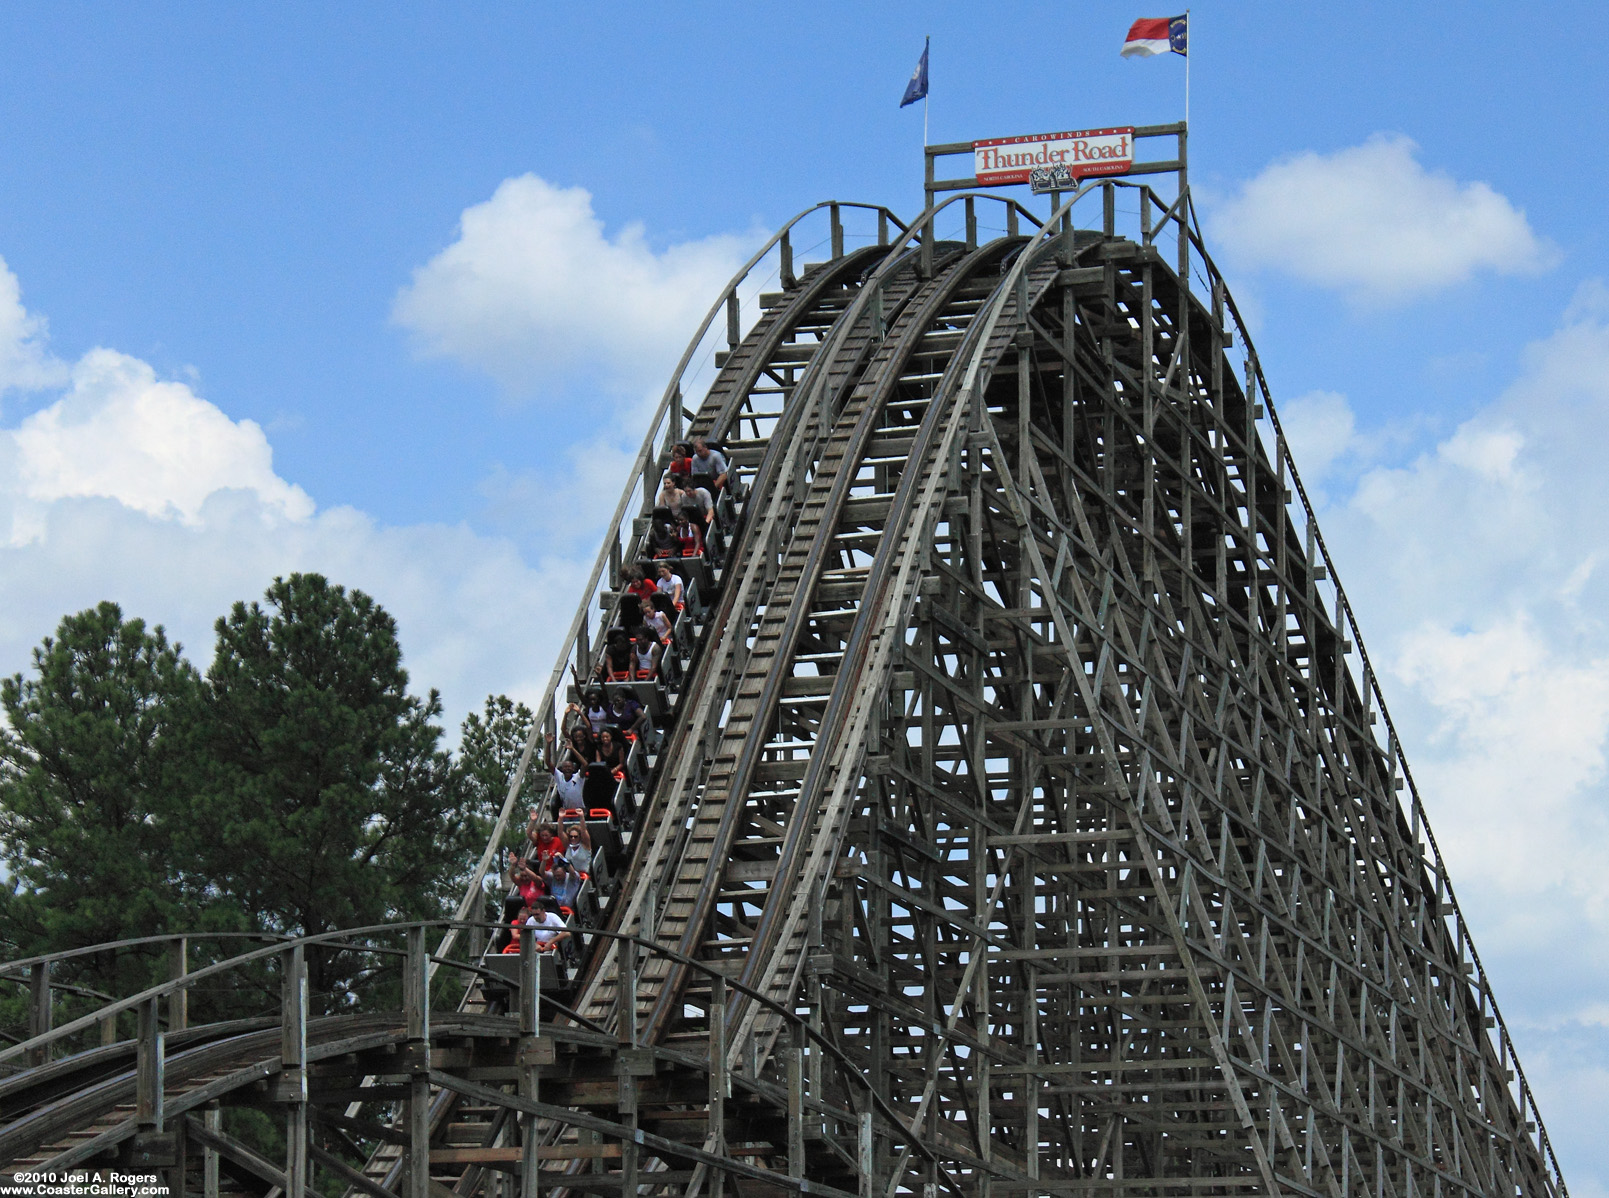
(1188, 38)
(927, 44)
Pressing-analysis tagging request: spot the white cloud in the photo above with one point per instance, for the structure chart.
(473, 617)
(25, 364)
(1474, 568)
(1517, 762)
(1372, 222)
(156, 447)
(1320, 429)
(533, 292)
(136, 489)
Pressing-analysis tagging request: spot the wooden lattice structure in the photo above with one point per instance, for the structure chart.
(1028, 821)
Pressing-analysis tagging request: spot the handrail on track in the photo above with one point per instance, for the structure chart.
(282, 943)
(174, 985)
(341, 939)
(6, 967)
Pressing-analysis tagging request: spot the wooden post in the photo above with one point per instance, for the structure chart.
(864, 1155)
(416, 1009)
(720, 1083)
(626, 1099)
(837, 230)
(626, 989)
(179, 1000)
(1184, 218)
(293, 1066)
(150, 1066)
(530, 1020)
(812, 1047)
(796, 1151)
(1030, 1083)
(212, 1120)
(41, 1015)
(627, 1107)
(178, 1020)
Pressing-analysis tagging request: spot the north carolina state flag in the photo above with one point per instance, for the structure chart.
(1157, 35)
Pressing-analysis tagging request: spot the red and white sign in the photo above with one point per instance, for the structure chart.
(1002, 160)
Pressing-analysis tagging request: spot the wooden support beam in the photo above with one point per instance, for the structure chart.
(232, 1149)
(416, 1012)
(41, 1010)
(212, 1120)
(293, 1067)
(530, 998)
(150, 1067)
(353, 1177)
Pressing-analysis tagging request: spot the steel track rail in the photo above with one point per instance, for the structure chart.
(188, 1070)
(748, 361)
(693, 729)
(831, 778)
(788, 607)
(669, 409)
(770, 511)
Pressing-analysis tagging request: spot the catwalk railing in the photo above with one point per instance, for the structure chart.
(811, 1086)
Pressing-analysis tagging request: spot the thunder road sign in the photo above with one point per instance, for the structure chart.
(999, 161)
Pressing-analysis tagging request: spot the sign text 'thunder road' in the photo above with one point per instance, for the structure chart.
(1002, 160)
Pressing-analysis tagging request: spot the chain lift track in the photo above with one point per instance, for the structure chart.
(1019, 824)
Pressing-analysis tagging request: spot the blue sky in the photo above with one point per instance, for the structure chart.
(312, 286)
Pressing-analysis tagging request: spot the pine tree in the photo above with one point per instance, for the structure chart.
(89, 757)
(489, 750)
(322, 798)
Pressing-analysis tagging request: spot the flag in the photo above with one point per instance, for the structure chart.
(916, 89)
(1157, 35)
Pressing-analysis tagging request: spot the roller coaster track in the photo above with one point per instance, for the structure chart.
(1019, 822)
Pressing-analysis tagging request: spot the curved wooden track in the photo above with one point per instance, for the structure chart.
(1020, 822)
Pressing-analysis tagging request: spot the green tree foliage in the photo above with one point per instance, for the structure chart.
(490, 746)
(322, 798)
(297, 788)
(489, 751)
(88, 758)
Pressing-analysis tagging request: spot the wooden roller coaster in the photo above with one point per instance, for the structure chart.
(1025, 817)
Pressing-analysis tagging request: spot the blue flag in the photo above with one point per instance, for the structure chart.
(916, 89)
